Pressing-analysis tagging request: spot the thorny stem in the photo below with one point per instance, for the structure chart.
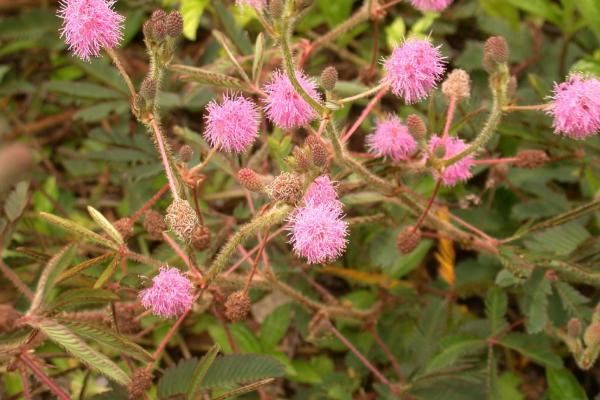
(388, 353)
(41, 375)
(149, 203)
(263, 243)
(536, 107)
(181, 255)
(117, 61)
(206, 160)
(449, 116)
(16, 281)
(361, 95)
(365, 113)
(436, 189)
(163, 155)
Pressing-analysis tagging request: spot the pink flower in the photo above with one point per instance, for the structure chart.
(414, 69)
(392, 139)
(286, 108)
(170, 294)
(576, 107)
(448, 147)
(318, 233)
(89, 26)
(431, 5)
(257, 4)
(233, 124)
(322, 192)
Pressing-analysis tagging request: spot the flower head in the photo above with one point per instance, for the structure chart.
(284, 106)
(322, 192)
(170, 294)
(414, 69)
(89, 26)
(449, 147)
(233, 124)
(318, 233)
(392, 139)
(256, 4)
(576, 107)
(430, 5)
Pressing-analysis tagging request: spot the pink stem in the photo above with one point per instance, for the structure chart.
(438, 184)
(365, 113)
(492, 161)
(449, 116)
(41, 375)
(167, 338)
(149, 203)
(165, 160)
(181, 254)
(248, 254)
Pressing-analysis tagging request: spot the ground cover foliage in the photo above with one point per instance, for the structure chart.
(176, 222)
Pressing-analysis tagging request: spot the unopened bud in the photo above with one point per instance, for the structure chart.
(158, 15)
(591, 337)
(174, 24)
(287, 187)
(140, 383)
(250, 180)
(181, 218)
(201, 238)
(318, 150)
(408, 239)
(329, 78)
(237, 306)
(124, 227)
(276, 8)
(531, 159)
(416, 126)
(574, 328)
(159, 30)
(154, 224)
(301, 160)
(495, 52)
(185, 153)
(148, 88)
(457, 85)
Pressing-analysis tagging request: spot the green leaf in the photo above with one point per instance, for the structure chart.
(275, 326)
(568, 216)
(535, 347)
(107, 337)
(107, 273)
(496, 303)
(83, 90)
(75, 298)
(590, 12)
(259, 58)
(560, 240)
(571, 299)
(52, 269)
(16, 201)
(232, 29)
(83, 266)
(563, 385)
(537, 290)
(82, 351)
(453, 348)
(79, 230)
(395, 32)
(205, 77)
(245, 389)
(105, 225)
(200, 371)
(191, 11)
(543, 8)
(336, 11)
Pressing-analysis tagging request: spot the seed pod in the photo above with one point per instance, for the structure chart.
(287, 187)
(318, 150)
(201, 238)
(416, 126)
(531, 159)
(181, 218)
(140, 383)
(185, 153)
(250, 180)
(148, 88)
(124, 227)
(154, 224)
(302, 160)
(408, 239)
(237, 306)
(457, 85)
(174, 24)
(329, 78)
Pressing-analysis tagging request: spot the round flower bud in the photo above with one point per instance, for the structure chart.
(408, 239)
(318, 150)
(237, 306)
(457, 85)
(531, 159)
(276, 8)
(158, 15)
(148, 88)
(8, 318)
(174, 24)
(124, 227)
(181, 218)
(287, 187)
(154, 224)
(159, 30)
(591, 337)
(250, 180)
(185, 153)
(140, 383)
(495, 52)
(329, 78)
(201, 238)
(416, 126)
(574, 328)
(301, 160)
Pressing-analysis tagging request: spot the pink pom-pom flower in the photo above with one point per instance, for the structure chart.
(256, 4)
(431, 5)
(446, 148)
(232, 125)
(318, 233)
(322, 192)
(576, 107)
(392, 139)
(413, 69)
(90, 26)
(170, 294)
(284, 106)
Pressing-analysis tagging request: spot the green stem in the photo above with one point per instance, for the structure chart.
(366, 93)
